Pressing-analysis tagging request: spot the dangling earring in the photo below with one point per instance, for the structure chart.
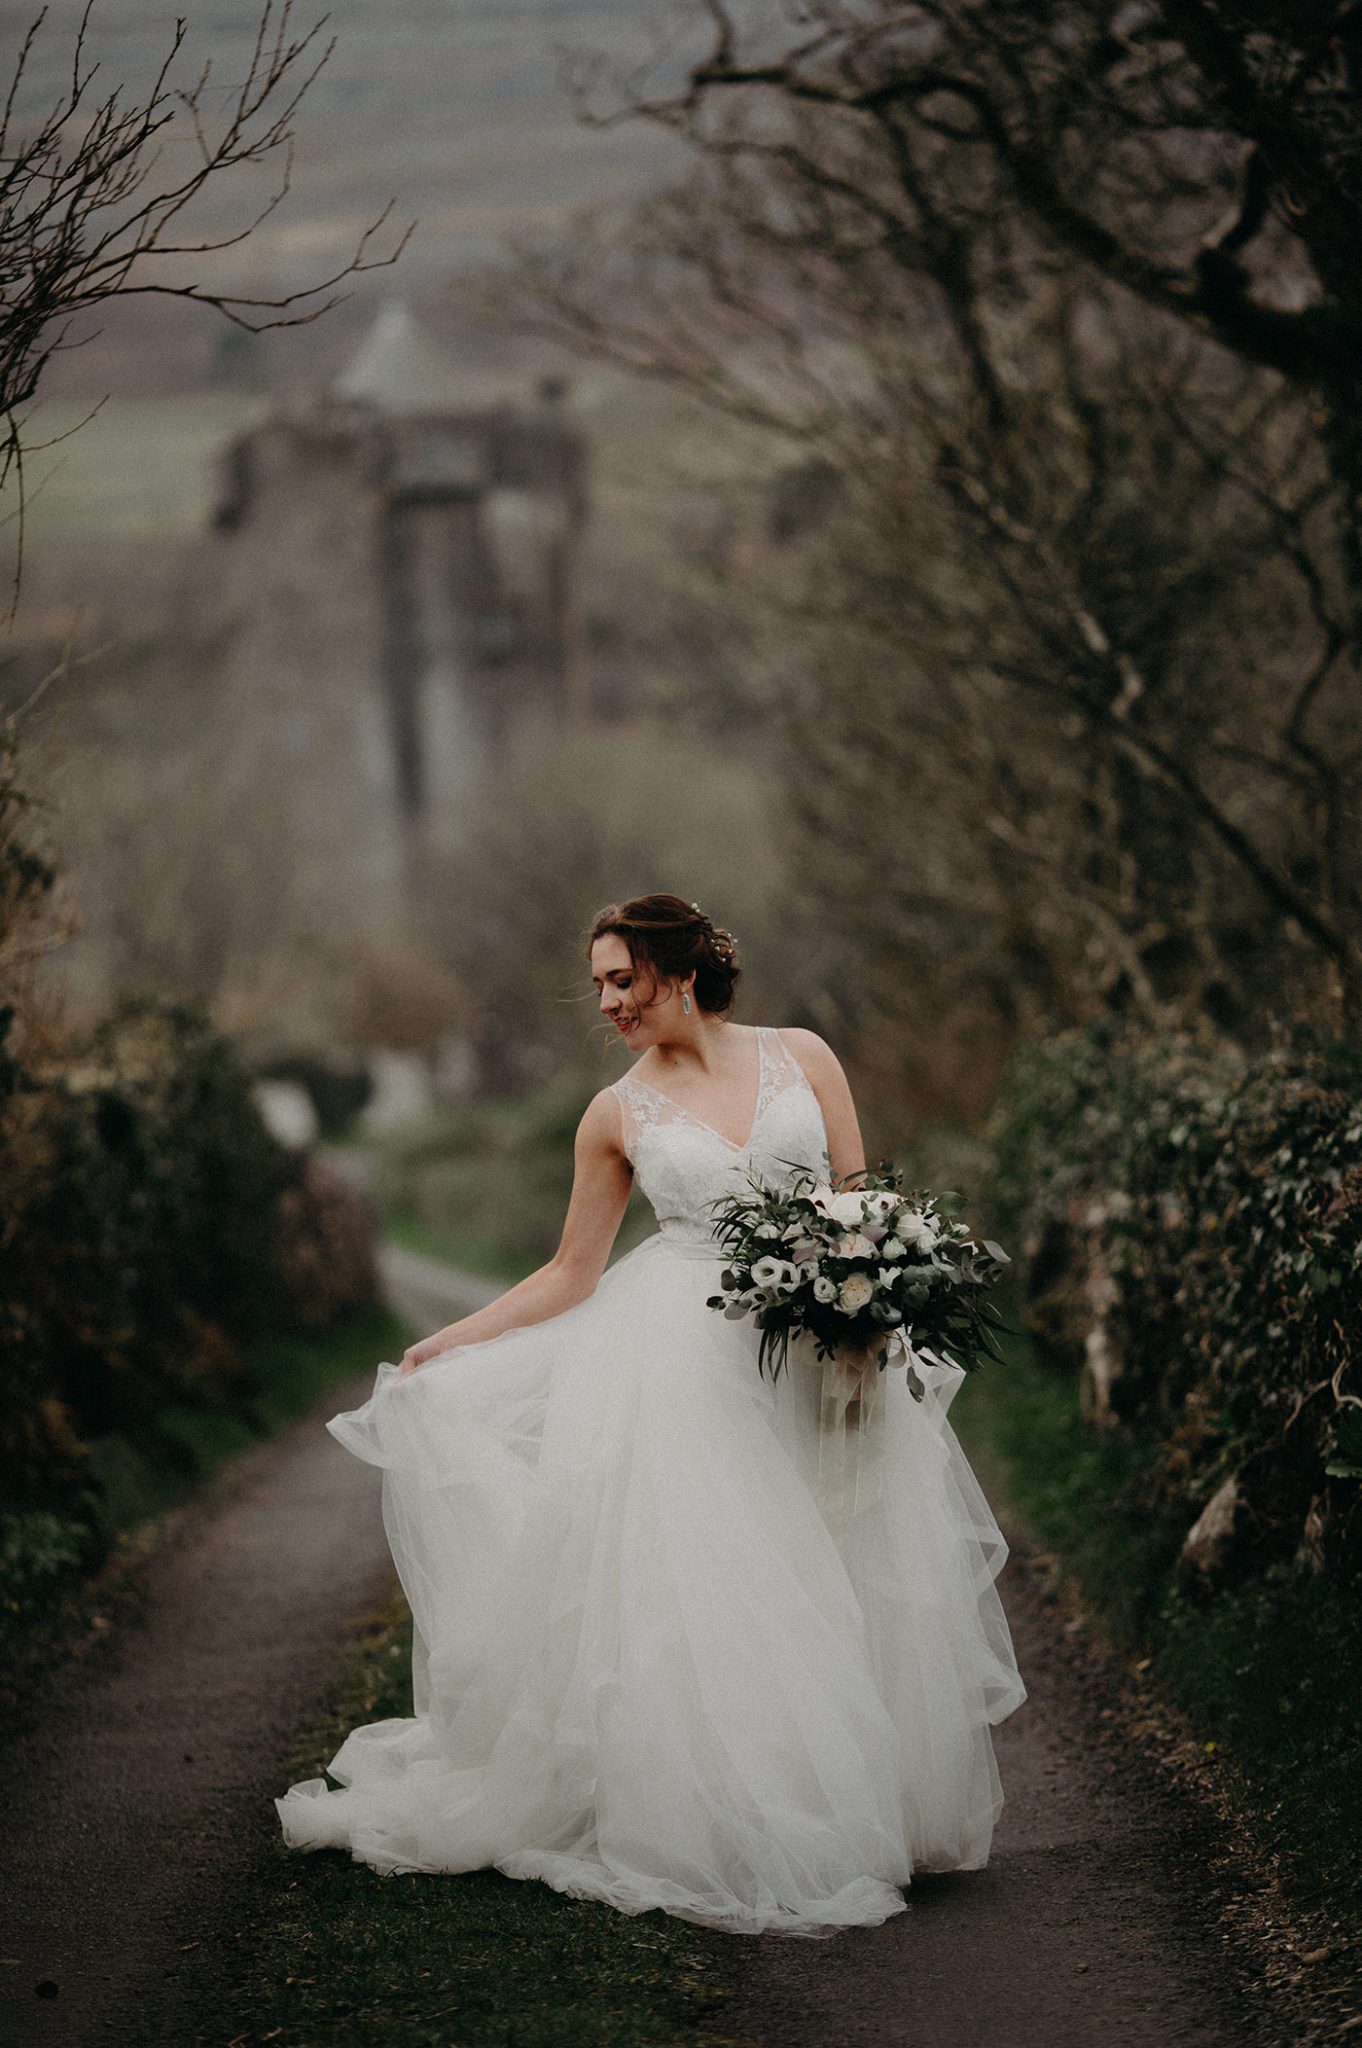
(685, 1004)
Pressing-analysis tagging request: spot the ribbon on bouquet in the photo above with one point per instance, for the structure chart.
(850, 1436)
(851, 1431)
(851, 1421)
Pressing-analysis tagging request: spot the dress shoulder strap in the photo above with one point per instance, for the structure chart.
(639, 1109)
(780, 1068)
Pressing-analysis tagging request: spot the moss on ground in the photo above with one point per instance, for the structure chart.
(478, 1961)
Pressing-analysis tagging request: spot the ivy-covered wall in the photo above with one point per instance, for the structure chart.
(1190, 1227)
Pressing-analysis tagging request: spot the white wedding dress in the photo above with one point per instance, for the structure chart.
(649, 1666)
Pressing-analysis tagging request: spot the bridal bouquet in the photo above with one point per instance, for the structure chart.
(866, 1270)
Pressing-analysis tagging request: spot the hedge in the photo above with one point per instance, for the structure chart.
(151, 1229)
(1190, 1223)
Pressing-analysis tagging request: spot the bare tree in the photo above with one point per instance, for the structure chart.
(1061, 287)
(1202, 155)
(1083, 731)
(92, 209)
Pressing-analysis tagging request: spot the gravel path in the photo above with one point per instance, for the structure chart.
(136, 1846)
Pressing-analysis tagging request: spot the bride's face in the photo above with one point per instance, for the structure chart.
(636, 1007)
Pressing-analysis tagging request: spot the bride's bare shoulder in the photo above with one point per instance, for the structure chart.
(601, 1119)
(814, 1054)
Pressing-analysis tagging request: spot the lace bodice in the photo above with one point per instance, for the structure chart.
(683, 1165)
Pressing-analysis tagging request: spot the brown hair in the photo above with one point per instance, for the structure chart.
(668, 937)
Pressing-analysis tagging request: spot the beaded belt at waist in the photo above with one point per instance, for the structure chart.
(691, 1247)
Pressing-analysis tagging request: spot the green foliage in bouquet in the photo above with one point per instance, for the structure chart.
(860, 1268)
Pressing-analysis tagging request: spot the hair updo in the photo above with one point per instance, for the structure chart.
(669, 938)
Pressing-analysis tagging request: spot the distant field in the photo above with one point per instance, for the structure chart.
(138, 466)
(451, 108)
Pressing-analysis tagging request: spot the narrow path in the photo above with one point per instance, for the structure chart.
(426, 1293)
(136, 1846)
(137, 1817)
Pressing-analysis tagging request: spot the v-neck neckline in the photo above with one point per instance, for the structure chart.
(732, 1143)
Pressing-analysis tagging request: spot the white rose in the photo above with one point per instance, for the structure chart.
(891, 1249)
(768, 1230)
(855, 1293)
(883, 1201)
(853, 1246)
(824, 1289)
(809, 1270)
(917, 1230)
(847, 1209)
(775, 1273)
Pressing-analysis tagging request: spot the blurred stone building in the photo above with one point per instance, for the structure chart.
(392, 579)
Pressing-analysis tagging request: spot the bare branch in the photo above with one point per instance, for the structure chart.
(86, 214)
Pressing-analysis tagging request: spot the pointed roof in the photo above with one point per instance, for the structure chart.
(397, 368)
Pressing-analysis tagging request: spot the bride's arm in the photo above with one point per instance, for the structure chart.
(823, 1072)
(601, 1181)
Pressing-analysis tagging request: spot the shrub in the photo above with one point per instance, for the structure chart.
(35, 1549)
(326, 1255)
(1191, 1227)
(152, 1229)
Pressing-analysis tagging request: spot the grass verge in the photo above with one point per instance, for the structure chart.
(486, 1185)
(466, 1249)
(476, 1961)
(1266, 1676)
(191, 1443)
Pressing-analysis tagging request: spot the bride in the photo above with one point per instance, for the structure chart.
(651, 1665)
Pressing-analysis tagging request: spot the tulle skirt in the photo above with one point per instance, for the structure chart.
(650, 1667)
